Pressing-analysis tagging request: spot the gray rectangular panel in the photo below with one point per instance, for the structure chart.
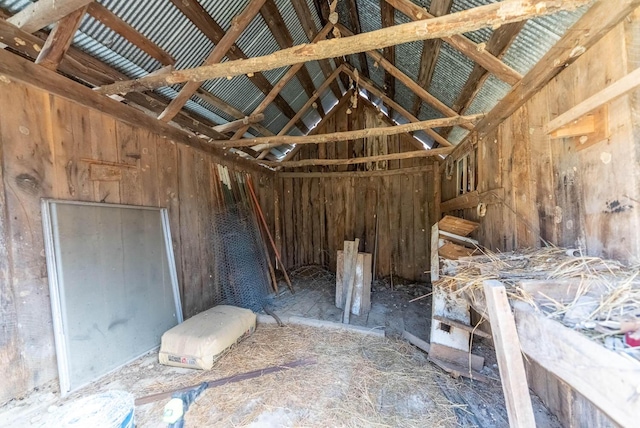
(113, 285)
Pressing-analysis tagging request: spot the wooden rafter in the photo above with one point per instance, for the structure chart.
(278, 28)
(344, 100)
(109, 19)
(237, 124)
(463, 44)
(309, 26)
(229, 109)
(60, 39)
(238, 25)
(44, 12)
(387, 15)
(325, 85)
(410, 137)
(497, 45)
(311, 100)
(354, 19)
(275, 91)
(408, 82)
(266, 142)
(430, 51)
(364, 159)
(214, 32)
(94, 72)
(490, 15)
(370, 86)
(587, 31)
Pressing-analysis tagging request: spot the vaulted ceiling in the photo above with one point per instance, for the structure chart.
(120, 40)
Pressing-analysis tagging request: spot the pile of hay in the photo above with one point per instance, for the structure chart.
(358, 381)
(605, 305)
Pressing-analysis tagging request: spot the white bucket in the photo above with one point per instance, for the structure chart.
(111, 409)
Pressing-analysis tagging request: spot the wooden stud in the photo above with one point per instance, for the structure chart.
(388, 19)
(507, 344)
(349, 272)
(435, 257)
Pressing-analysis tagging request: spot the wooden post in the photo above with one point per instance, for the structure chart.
(350, 261)
(435, 259)
(507, 344)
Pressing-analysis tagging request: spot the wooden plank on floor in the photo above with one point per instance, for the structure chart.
(507, 345)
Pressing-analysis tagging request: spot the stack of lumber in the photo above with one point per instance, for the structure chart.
(353, 281)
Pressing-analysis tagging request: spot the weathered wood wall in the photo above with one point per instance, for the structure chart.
(47, 147)
(319, 214)
(587, 198)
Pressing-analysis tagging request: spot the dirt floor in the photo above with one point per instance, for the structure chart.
(358, 380)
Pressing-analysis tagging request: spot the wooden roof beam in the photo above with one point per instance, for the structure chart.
(229, 109)
(266, 142)
(238, 25)
(354, 19)
(430, 51)
(60, 39)
(409, 82)
(309, 26)
(109, 19)
(275, 91)
(370, 86)
(325, 85)
(491, 15)
(346, 98)
(466, 46)
(387, 14)
(364, 159)
(497, 45)
(214, 32)
(278, 28)
(45, 12)
(237, 124)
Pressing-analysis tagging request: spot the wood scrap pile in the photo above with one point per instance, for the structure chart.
(598, 297)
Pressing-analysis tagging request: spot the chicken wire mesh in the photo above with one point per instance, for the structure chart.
(240, 262)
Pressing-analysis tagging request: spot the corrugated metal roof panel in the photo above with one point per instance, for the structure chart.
(166, 26)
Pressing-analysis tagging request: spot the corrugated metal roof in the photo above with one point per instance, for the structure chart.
(166, 26)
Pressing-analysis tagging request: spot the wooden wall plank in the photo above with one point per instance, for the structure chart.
(28, 175)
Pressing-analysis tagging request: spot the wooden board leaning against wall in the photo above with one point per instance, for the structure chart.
(555, 190)
(318, 213)
(54, 148)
